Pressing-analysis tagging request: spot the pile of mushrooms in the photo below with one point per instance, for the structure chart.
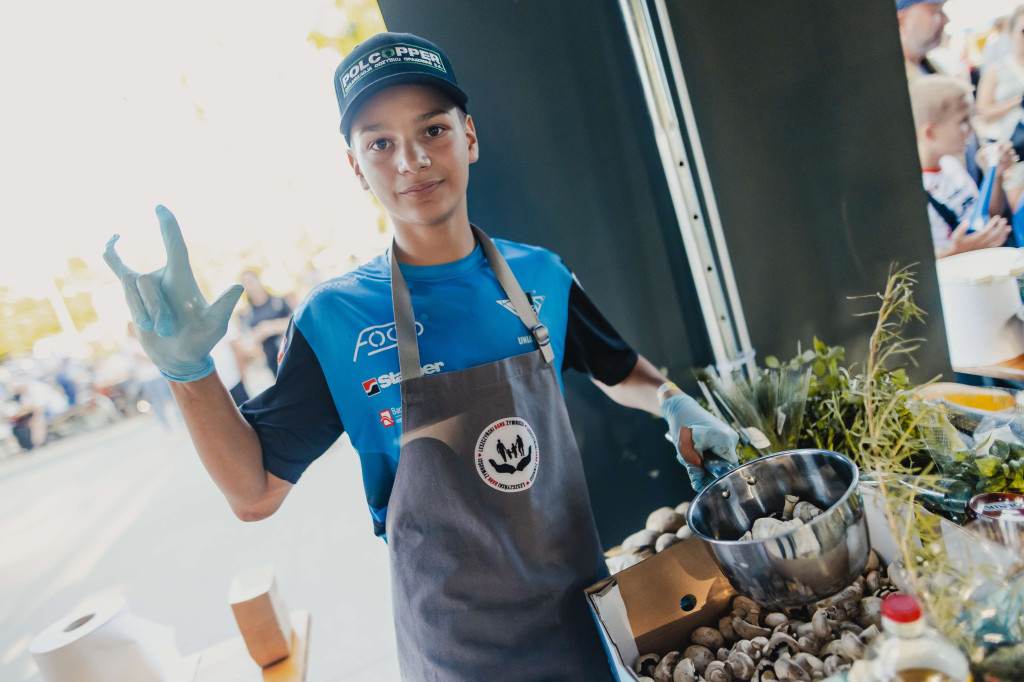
(665, 527)
(803, 643)
(795, 512)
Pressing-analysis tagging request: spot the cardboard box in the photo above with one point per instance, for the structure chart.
(261, 615)
(654, 606)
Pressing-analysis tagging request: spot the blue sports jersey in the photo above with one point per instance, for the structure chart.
(339, 368)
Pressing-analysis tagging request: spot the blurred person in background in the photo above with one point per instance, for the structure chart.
(998, 43)
(37, 402)
(151, 382)
(942, 111)
(230, 358)
(921, 23)
(267, 317)
(1001, 88)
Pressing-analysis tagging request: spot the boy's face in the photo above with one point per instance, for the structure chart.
(950, 135)
(410, 146)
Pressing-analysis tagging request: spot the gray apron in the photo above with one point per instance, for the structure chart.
(489, 526)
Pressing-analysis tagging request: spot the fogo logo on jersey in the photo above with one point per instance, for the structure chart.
(507, 456)
(374, 386)
(378, 338)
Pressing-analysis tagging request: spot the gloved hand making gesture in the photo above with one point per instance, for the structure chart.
(176, 327)
(694, 430)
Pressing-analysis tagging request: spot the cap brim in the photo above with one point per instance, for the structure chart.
(458, 96)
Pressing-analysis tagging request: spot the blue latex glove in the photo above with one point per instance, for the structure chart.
(709, 434)
(176, 327)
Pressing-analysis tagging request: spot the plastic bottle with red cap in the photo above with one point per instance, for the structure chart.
(908, 649)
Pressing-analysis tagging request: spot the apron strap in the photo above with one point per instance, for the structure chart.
(405, 321)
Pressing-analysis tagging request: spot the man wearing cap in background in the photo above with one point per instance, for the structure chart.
(442, 360)
(921, 25)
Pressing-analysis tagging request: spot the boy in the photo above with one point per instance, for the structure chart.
(470, 467)
(942, 109)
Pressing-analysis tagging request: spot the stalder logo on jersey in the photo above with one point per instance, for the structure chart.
(507, 456)
(385, 418)
(374, 386)
(379, 338)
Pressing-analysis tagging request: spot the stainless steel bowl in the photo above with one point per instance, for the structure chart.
(799, 566)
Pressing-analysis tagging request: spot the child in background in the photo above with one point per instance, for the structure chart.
(942, 107)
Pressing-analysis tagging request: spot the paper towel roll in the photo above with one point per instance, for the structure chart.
(107, 643)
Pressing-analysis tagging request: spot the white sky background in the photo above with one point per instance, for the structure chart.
(97, 128)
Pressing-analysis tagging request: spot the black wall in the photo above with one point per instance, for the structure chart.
(568, 161)
(805, 120)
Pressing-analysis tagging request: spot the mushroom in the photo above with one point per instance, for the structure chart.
(805, 511)
(665, 541)
(723, 654)
(851, 592)
(708, 637)
(663, 671)
(725, 627)
(747, 630)
(830, 666)
(869, 634)
(787, 669)
(759, 643)
(718, 671)
(746, 536)
(809, 662)
(808, 644)
(872, 564)
(787, 509)
(873, 581)
(851, 646)
(700, 655)
(774, 620)
(777, 639)
(644, 665)
(850, 626)
(744, 607)
(639, 540)
(747, 646)
(833, 648)
(741, 665)
(684, 533)
(682, 508)
(665, 520)
(685, 671)
(870, 612)
(820, 626)
(801, 629)
(766, 527)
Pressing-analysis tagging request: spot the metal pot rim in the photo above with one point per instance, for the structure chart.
(695, 504)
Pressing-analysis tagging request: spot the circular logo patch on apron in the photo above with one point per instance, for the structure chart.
(507, 455)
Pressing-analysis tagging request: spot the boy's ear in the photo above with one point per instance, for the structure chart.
(355, 168)
(471, 139)
(926, 131)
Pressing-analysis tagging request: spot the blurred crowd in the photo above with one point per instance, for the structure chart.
(967, 96)
(43, 399)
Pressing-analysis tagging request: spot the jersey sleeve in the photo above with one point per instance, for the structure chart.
(592, 345)
(296, 418)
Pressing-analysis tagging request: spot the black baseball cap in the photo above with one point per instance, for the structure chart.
(389, 59)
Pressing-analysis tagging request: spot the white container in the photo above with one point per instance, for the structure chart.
(981, 304)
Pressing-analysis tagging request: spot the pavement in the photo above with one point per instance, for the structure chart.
(129, 509)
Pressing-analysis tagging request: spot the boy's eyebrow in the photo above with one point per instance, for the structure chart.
(374, 127)
(431, 114)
